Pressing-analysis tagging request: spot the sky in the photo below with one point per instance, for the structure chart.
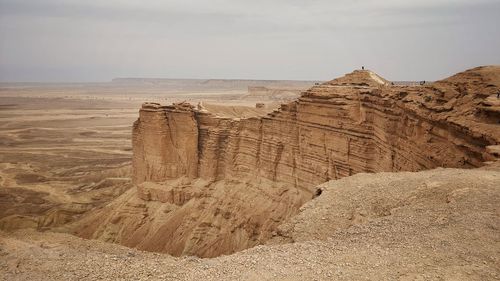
(95, 40)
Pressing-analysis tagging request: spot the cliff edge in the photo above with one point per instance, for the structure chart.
(356, 123)
(210, 185)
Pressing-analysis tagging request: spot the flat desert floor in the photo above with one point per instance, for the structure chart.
(66, 148)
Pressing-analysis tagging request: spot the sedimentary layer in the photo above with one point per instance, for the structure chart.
(209, 185)
(356, 123)
(433, 225)
(195, 217)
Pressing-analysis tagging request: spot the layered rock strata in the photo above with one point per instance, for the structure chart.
(209, 185)
(165, 143)
(195, 217)
(357, 123)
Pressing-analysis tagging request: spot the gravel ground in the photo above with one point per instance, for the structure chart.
(435, 225)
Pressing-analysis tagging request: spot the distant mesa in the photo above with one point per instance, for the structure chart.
(213, 84)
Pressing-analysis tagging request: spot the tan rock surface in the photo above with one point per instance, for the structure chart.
(434, 225)
(183, 217)
(165, 143)
(210, 184)
(357, 123)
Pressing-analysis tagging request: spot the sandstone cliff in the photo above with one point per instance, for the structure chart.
(357, 123)
(211, 185)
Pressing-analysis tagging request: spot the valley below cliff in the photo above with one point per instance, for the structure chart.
(216, 184)
(356, 178)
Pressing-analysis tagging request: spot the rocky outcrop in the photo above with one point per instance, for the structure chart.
(194, 217)
(209, 185)
(357, 123)
(165, 142)
(432, 225)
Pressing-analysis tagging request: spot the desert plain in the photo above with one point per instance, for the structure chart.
(357, 178)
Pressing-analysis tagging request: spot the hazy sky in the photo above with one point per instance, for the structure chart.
(96, 40)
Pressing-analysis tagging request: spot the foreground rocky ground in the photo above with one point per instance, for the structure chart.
(210, 183)
(231, 183)
(440, 224)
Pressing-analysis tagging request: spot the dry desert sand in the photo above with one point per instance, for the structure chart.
(355, 178)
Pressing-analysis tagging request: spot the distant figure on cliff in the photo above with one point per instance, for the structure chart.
(200, 106)
(362, 68)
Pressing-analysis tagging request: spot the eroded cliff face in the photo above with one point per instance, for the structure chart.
(165, 143)
(211, 185)
(195, 217)
(357, 123)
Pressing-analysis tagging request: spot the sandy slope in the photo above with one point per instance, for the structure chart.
(436, 225)
(60, 157)
(441, 224)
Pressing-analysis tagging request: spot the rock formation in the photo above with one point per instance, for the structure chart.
(440, 224)
(211, 185)
(165, 142)
(357, 123)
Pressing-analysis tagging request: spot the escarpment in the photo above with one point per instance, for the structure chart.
(165, 143)
(357, 123)
(211, 185)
